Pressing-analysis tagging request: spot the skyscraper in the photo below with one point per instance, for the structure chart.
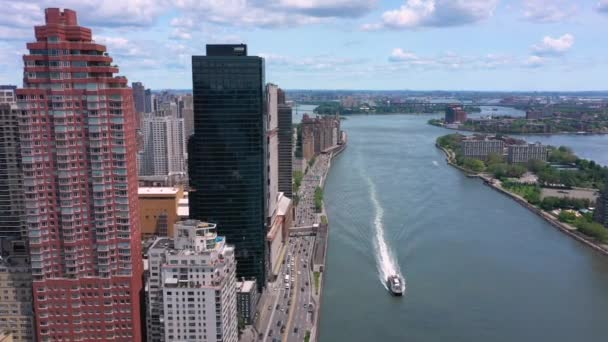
(226, 155)
(188, 114)
(139, 97)
(16, 310)
(272, 142)
(148, 101)
(78, 150)
(164, 145)
(285, 133)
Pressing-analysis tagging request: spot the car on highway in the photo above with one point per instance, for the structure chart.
(302, 289)
(282, 329)
(295, 330)
(278, 306)
(270, 333)
(269, 307)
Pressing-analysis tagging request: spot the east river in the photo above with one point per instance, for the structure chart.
(478, 266)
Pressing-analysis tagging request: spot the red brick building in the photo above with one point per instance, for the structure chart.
(455, 113)
(78, 145)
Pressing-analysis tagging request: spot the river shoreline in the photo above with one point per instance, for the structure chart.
(522, 133)
(561, 226)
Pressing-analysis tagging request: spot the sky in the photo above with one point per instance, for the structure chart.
(518, 45)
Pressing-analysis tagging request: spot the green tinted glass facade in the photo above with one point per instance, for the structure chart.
(227, 157)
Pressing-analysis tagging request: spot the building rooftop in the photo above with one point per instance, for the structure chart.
(157, 191)
(245, 286)
(283, 205)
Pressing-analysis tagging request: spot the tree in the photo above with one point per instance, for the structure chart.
(474, 164)
(516, 171)
(567, 216)
(494, 158)
(498, 170)
(535, 165)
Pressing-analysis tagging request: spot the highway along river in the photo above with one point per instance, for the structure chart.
(478, 266)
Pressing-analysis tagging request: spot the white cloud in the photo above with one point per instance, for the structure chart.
(602, 6)
(91, 12)
(122, 47)
(548, 11)
(270, 13)
(435, 13)
(534, 61)
(554, 46)
(449, 60)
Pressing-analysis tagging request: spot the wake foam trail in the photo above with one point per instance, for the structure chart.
(386, 262)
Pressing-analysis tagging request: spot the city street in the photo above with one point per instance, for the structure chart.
(287, 310)
(305, 211)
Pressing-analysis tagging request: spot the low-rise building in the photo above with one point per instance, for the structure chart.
(246, 300)
(192, 286)
(526, 152)
(159, 210)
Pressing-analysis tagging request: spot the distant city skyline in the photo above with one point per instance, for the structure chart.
(518, 45)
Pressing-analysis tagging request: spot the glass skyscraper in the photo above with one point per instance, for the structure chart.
(227, 153)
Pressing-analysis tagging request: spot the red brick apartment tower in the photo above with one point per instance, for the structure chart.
(77, 130)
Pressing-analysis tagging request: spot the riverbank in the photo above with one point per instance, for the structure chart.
(561, 226)
(318, 273)
(465, 129)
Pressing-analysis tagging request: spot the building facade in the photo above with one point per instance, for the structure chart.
(139, 97)
(148, 101)
(16, 301)
(188, 115)
(455, 114)
(158, 207)
(285, 133)
(480, 149)
(272, 146)
(526, 152)
(164, 150)
(227, 153)
(192, 286)
(12, 220)
(319, 134)
(247, 296)
(78, 150)
(7, 94)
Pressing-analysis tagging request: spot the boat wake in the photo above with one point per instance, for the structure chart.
(435, 163)
(386, 262)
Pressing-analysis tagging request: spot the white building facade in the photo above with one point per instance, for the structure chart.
(192, 286)
(164, 146)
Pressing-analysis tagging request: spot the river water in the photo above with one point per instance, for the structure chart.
(478, 266)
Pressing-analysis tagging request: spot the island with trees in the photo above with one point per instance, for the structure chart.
(563, 188)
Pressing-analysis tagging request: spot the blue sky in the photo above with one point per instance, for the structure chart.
(341, 44)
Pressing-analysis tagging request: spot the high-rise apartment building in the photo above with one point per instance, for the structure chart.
(285, 132)
(148, 101)
(164, 145)
(139, 97)
(16, 310)
(78, 149)
(455, 114)
(12, 218)
(192, 286)
(187, 111)
(272, 142)
(227, 153)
